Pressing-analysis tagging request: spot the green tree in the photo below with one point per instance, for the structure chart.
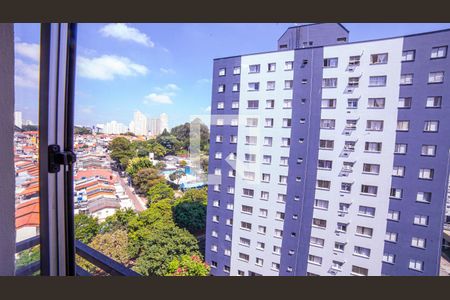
(119, 220)
(121, 150)
(160, 165)
(204, 161)
(86, 227)
(160, 246)
(189, 211)
(138, 163)
(158, 150)
(170, 142)
(82, 130)
(144, 179)
(158, 192)
(183, 163)
(28, 256)
(188, 266)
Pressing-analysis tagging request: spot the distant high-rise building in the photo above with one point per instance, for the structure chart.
(330, 158)
(164, 122)
(155, 125)
(140, 124)
(18, 119)
(114, 127)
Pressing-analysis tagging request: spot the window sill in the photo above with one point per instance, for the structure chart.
(357, 274)
(424, 202)
(323, 189)
(362, 256)
(317, 246)
(367, 216)
(435, 82)
(364, 236)
(314, 263)
(318, 227)
(367, 194)
(324, 169)
(370, 173)
(377, 85)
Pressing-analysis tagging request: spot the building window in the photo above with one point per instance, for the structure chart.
(234, 122)
(361, 251)
(374, 125)
(264, 195)
(248, 192)
(371, 168)
(415, 264)
(421, 220)
(247, 209)
(436, 77)
(217, 187)
(318, 242)
(398, 171)
(288, 66)
(248, 157)
(282, 179)
(227, 252)
(369, 189)
(349, 146)
(265, 177)
(249, 175)
(339, 246)
(389, 258)
(381, 58)
(230, 190)
(214, 264)
(402, 125)
(426, 173)
(439, 52)
(373, 147)
(393, 215)
(428, 150)
(408, 55)
(222, 72)
(218, 171)
(268, 141)
(376, 103)
(406, 79)
(325, 164)
(219, 138)
(232, 156)
(330, 62)
(263, 212)
(244, 242)
(246, 226)
(342, 227)
(279, 215)
(284, 161)
(275, 266)
(323, 184)
(276, 250)
(260, 245)
(252, 122)
(326, 144)
(287, 103)
(337, 265)
(316, 260)
(220, 105)
(359, 271)
(233, 139)
(400, 148)
(235, 87)
(250, 140)
(285, 142)
(270, 104)
(396, 193)
(236, 70)
(424, 197)
(219, 122)
(214, 233)
(366, 211)
(281, 198)
(354, 60)
(278, 233)
(270, 85)
(221, 88)
(404, 102)
(329, 82)
(377, 80)
(268, 122)
(254, 68)
(346, 187)
(321, 204)
(244, 257)
(287, 123)
(431, 126)
(253, 86)
(343, 207)
(327, 123)
(352, 103)
(259, 262)
(252, 104)
(319, 223)
(230, 206)
(434, 102)
(218, 155)
(234, 104)
(215, 219)
(288, 84)
(262, 229)
(267, 159)
(391, 237)
(227, 237)
(364, 231)
(418, 242)
(328, 103)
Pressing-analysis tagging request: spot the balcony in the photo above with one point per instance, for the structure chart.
(98, 259)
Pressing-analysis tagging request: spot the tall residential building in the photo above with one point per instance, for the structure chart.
(164, 122)
(18, 119)
(329, 157)
(114, 127)
(155, 126)
(140, 124)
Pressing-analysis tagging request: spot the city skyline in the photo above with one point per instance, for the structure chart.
(127, 67)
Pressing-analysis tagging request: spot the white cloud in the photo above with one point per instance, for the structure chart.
(124, 32)
(167, 71)
(203, 81)
(172, 87)
(107, 67)
(28, 50)
(87, 109)
(208, 109)
(158, 98)
(26, 75)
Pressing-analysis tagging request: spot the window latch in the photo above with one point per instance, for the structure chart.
(56, 158)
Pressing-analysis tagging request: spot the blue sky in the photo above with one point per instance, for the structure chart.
(158, 68)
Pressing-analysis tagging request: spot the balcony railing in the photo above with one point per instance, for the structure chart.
(98, 259)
